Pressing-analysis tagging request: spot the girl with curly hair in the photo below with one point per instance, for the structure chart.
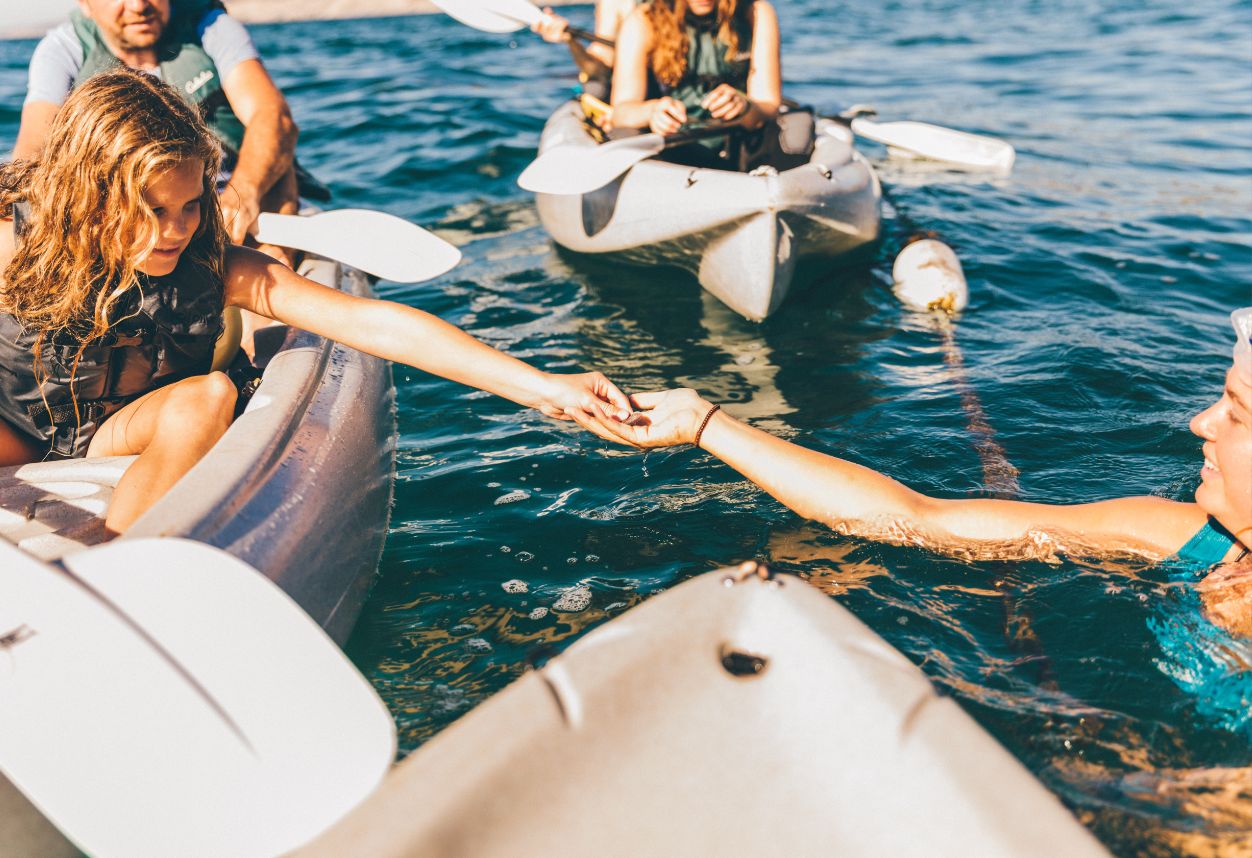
(114, 271)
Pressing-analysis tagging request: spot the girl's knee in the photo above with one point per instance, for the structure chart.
(205, 397)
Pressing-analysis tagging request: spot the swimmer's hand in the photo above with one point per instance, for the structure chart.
(584, 396)
(665, 418)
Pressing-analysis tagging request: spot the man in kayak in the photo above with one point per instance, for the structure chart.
(115, 268)
(680, 61)
(209, 59)
(595, 61)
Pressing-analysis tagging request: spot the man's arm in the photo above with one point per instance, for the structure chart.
(53, 66)
(36, 120)
(269, 143)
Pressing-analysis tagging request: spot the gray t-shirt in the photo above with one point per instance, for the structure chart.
(59, 57)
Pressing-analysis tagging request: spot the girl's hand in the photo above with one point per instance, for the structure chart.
(663, 419)
(668, 115)
(552, 27)
(588, 394)
(725, 102)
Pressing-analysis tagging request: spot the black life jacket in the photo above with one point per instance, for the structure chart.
(162, 336)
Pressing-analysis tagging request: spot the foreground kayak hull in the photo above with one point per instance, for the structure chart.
(729, 716)
(742, 235)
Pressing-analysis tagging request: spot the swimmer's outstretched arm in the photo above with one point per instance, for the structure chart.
(858, 500)
(407, 335)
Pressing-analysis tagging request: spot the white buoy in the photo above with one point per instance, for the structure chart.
(928, 276)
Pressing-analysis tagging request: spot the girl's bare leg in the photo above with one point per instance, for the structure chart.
(15, 449)
(171, 429)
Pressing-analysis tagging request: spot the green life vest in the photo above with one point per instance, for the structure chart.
(708, 66)
(184, 65)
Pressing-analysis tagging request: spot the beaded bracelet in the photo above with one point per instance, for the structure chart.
(703, 423)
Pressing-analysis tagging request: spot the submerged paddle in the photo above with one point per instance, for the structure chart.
(505, 16)
(933, 142)
(163, 698)
(572, 169)
(375, 242)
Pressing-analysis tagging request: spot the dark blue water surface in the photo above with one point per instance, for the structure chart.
(1101, 275)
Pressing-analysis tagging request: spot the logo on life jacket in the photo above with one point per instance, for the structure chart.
(198, 81)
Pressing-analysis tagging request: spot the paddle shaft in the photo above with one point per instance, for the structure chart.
(700, 132)
(590, 37)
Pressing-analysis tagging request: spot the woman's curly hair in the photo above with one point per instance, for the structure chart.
(669, 34)
(74, 268)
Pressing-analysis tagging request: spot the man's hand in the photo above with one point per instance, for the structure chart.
(240, 207)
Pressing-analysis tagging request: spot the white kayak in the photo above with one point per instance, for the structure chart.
(741, 234)
(732, 715)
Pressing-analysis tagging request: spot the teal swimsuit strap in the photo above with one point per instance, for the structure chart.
(1209, 546)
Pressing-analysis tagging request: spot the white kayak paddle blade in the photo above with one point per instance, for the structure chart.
(959, 148)
(492, 16)
(576, 169)
(164, 698)
(377, 243)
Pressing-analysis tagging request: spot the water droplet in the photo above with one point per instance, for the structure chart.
(524, 557)
(478, 645)
(493, 485)
(592, 558)
(571, 560)
(538, 613)
(904, 621)
(512, 497)
(515, 585)
(504, 549)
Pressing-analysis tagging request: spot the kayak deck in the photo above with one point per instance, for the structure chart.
(731, 715)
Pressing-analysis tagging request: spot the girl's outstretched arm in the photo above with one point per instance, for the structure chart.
(858, 500)
(407, 335)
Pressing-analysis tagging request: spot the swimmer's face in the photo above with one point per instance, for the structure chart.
(129, 24)
(1225, 490)
(175, 199)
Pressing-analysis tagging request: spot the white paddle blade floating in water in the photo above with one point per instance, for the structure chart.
(935, 143)
(583, 169)
(164, 698)
(492, 16)
(377, 243)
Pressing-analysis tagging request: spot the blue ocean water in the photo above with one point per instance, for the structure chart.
(1101, 274)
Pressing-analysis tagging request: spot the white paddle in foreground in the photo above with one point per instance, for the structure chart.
(573, 169)
(504, 16)
(375, 242)
(163, 698)
(935, 143)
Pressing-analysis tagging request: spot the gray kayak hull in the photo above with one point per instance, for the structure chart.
(742, 235)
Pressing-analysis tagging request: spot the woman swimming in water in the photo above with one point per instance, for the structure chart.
(114, 271)
(853, 499)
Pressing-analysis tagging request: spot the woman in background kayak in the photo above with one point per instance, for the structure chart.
(682, 61)
(853, 499)
(115, 271)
